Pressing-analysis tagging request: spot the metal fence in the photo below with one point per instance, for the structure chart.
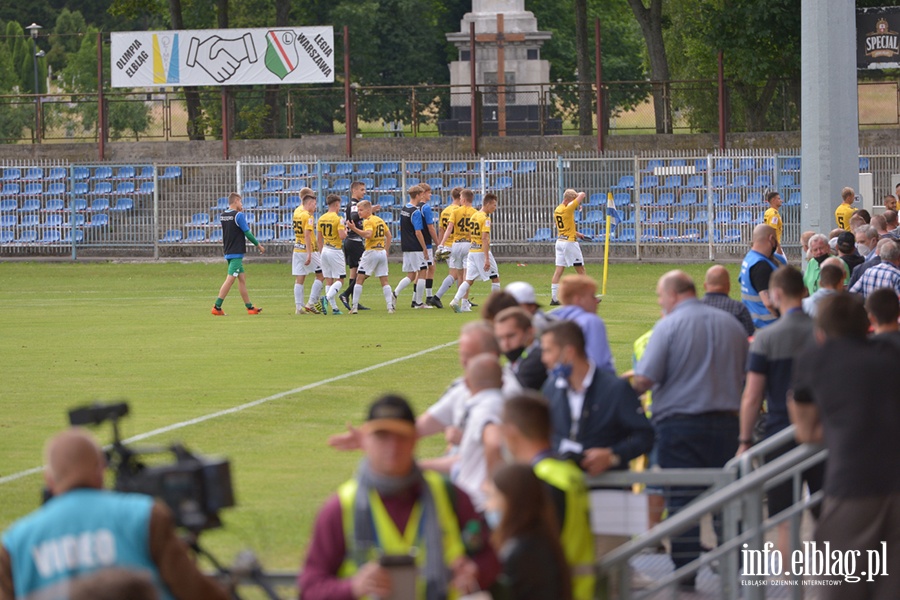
(672, 205)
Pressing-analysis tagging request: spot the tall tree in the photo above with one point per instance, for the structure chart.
(66, 38)
(583, 51)
(650, 18)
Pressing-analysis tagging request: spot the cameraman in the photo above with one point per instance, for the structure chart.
(83, 529)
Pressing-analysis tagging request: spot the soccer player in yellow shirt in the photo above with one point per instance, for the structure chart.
(844, 211)
(772, 217)
(329, 235)
(568, 252)
(306, 258)
(480, 263)
(373, 263)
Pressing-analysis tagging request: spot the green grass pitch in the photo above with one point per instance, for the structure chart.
(73, 333)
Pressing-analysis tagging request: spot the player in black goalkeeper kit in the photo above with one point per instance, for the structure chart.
(234, 232)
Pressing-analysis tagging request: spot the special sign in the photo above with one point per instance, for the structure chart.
(877, 38)
(222, 57)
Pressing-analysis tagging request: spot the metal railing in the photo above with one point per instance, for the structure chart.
(740, 504)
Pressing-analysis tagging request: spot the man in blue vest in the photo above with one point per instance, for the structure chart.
(392, 510)
(758, 266)
(84, 529)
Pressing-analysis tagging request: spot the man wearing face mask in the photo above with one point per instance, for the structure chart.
(819, 249)
(515, 334)
(758, 266)
(874, 258)
(596, 417)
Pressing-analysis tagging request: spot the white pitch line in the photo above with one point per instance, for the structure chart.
(239, 408)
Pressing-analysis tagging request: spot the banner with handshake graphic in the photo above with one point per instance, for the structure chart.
(222, 57)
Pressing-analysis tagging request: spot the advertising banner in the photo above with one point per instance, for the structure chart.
(877, 38)
(215, 57)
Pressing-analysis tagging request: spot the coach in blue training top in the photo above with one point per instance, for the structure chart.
(84, 530)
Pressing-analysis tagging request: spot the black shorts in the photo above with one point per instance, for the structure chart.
(353, 251)
(781, 496)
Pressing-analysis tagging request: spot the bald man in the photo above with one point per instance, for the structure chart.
(694, 362)
(84, 529)
(717, 286)
(758, 266)
(479, 448)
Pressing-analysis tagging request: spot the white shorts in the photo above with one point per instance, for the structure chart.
(459, 254)
(373, 263)
(333, 266)
(431, 256)
(568, 254)
(299, 266)
(475, 267)
(413, 261)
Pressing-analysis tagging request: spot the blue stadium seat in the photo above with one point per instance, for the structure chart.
(621, 199)
(221, 204)
(678, 162)
(56, 189)
(172, 236)
(458, 167)
(649, 181)
(291, 202)
(102, 187)
(33, 174)
(125, 173)
(702, 216)
(146, 172)
(503, 166)
(195, 236)
(595, 200)
(215, 235)
(477, 183)
(67, 236)
(74, 221)
(250, 202)
(51, 236)
(666, 199)
(386, 201)
(653, 164)
(8, 205)
(719, 181)
(542, 235)
(388, 168)
(11, 175)
(101, 173)
(287, 219)
(28, 236)
(8, 221)
(30, 205)
(647, 199)
(365, 168)
(658, 216)
(199, 219)
(368, 181)
(268, 218)
(863, 163)
(342, 169)
(700, 165)
(294, 185)
(56, 174)
(755, 198)
(7, 236)
(723, 216)
(594, 217)
(78, 204)
(527, 166)
(266, 235)
(124, 188)
(171, 173)
(54, 220)
(694, 182)
(740, 181)
(433, 168)
(767, 165)
(98, 220)
(387, 184)
(793, 200)
(681, 216)
(723, 165)
(250, 217)
(503, 183)
(762, 181)
(251, 186)
(273, 185)
(10, 189)
(649, 234)
(341, 185)
(626, 234)
(317, 185)
(672, 182)
(732, 199)
(54, 205)
(414, 167)
(271, 203)
(436, 183)
(80, 188)
(80, 173)
(787, 181)
(747, 164)
(411, 181)
(286, 235)
(731, 236)
(626, 182)
(457, 182)
(387, 217)
(745, 217)
(100, 205)
(298, 170)
(122, 204)
(146, 188)
(30, 221)
(688, 199)
(275, 171)
(691, 234)
(669, 234)
(791, 164)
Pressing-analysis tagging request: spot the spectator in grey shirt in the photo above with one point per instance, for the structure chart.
(717, 286)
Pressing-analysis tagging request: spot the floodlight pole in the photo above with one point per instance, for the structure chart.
(599, 67)
(34, 28)
(101, 101)
(348, 107)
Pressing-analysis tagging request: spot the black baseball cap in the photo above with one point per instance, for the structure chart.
(846, 242)
(391, 413)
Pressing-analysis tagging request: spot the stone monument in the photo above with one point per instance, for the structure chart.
(509, 72)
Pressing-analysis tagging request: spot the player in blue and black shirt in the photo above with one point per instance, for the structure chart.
(234, 232)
